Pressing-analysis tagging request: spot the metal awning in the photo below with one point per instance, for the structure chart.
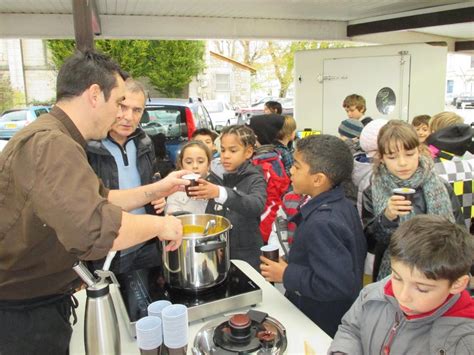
(379, 21)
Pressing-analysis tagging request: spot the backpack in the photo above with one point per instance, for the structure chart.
(277, 185)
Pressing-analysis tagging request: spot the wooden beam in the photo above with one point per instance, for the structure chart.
(464, 46)
(82, 11)
(447, 17)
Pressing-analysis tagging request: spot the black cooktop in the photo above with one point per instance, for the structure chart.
(141, 287)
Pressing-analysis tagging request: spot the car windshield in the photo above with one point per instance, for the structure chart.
(164, 120)
(214, 106)
(15, 116)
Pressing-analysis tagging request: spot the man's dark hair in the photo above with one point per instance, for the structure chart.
(205, 132)
(435, 246)
(328, 155)
(83, 69)
(274, 106)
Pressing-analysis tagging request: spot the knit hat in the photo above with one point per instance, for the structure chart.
(350, 128)
(368, 136)
(456, 139)
(266, 127)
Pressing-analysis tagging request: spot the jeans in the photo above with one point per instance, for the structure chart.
(36, 326)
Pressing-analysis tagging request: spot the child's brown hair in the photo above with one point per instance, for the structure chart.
(190, 144)
(393, 133)
(355, 100)
(435, 246)
(421, 119)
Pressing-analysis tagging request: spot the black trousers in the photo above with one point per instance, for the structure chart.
(36, 326)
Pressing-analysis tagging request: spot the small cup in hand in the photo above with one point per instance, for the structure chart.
(271, 252)
(193, 179)
(406, 192)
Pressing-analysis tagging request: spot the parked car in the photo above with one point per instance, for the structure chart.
(13, 120)
(464, 100)
(176, 120)
(245, 113)
(222, 113)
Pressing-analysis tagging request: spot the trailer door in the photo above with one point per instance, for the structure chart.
(384, 82)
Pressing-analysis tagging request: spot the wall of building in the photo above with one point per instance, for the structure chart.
(209, 84)
(29, 68)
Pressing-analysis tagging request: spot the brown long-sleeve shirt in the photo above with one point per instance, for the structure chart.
(53, 209)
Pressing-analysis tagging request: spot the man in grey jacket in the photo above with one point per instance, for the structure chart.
(423, 307)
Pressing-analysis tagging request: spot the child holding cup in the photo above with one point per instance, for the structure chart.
(323, 275)
(195, 156)
(404, 184)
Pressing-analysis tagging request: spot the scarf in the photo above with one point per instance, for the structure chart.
(435, 194)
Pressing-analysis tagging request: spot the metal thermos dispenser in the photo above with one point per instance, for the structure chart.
(101, 331)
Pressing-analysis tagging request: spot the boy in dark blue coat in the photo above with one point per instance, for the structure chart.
(325, 266)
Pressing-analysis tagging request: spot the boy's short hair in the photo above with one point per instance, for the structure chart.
(328, 155)
(421, 119)
(205, 132)
(274, 106)
(435, 246)
(355, 100)
(289, 126)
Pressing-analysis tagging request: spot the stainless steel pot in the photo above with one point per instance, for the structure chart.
(202, 261)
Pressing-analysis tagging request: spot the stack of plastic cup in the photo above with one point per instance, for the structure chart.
(155, 308)
(175, 328)
(149, 335)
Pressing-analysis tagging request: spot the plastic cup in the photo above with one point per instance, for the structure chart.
(406, 192)
(155, 308)
(193, 179)
(149, 333)
(175, 327)
(271, 252)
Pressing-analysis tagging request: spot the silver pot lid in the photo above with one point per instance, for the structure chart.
(253, 332)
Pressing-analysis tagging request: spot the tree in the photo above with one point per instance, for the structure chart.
(170, 65)
(175, 64)
(6, 94)
(282, 58)
(277, 55)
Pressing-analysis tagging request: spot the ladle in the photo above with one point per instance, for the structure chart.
(210, 224)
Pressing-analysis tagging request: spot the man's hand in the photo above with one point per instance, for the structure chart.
(204, 191)
(397, 206)
(159, 205)
(172, 230)
(272, 271)
(172, 183)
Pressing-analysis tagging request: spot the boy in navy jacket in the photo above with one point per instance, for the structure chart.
(325, 266)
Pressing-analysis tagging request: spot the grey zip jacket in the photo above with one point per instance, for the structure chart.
(376, 325)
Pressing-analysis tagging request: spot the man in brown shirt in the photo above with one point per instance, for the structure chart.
(55, 211)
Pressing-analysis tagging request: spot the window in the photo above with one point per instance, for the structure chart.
(449, 86)
(222, 82)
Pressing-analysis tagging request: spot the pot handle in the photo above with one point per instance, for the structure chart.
(211, 246)
(180, 213)
(165, 263)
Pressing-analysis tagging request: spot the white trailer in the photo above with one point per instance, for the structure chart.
(398, 82)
